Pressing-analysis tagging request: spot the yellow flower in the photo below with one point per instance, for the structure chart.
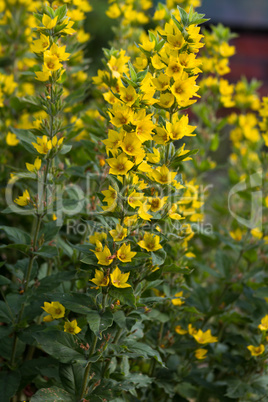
(118, 65)
(177, 301)
(110, 195)
(98, 236)
(153, 157)
(125, 254)
(264, 324)
(104, 256)
(184, 89)
(161, 83)
(140, 63)
(12, 140)
(174, 68)
(166, 100)
(55, 310)
(43, 145)
(161, 136)
(180, 129)
(59, 52)
(120, 165)
(48, 318)
(51, 62)
(175, 41)
(42, 75)
(113, 141)
(113, 11)
(82, 36)
(68, 29)
(120, 115)
(150, 242)
(205, 337)
(48, 22)
(131, 145)
(146, 44)
(180, 330)
(192, 330)
(200, 354)
(23, 199)
(76, 15)
(163, 175)
(130, 220)
(237, 234)
(119, 233)
(135, 199)
(226, 50)
(256, 351)
(128, 95)
(173, 214)
(257, 233)
(157, 203)
(36, 166)
(144, 125)
(40, 45)
(119, 279)
(100, 279)
(71, 327)
(143, 212)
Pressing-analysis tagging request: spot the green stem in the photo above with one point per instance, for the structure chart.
(117, 336)
(153, 364)
(27, 281)
(87, 370)
(116, 339)
(30, 266)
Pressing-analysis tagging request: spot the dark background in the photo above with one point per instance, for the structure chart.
(249, 19)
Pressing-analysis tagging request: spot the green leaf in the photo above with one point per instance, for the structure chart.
(53, 394)
(78, 302)
(138, 349)
(4, 280)
(47, 252)
(53, 281)
(49, 231)
(65, 149)
(71, 378)
(184, 16)
(176, 268)
(61, 12)
(16, 235)
(237, 389)
(120, 318)
(99, 322)
(178, 159)
(126, 296)
(132, 71)
(223, 263)
(60, 345)
(5, 314)
(26, 138)
(9, 383)
(158, 257)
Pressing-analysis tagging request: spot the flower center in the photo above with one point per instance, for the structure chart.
(50, 65)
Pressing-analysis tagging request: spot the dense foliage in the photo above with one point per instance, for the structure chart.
(134, 209)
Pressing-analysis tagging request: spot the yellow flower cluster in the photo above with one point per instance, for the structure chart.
(7, 87)
(55, 311)
(53, 55)
(146, 120)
